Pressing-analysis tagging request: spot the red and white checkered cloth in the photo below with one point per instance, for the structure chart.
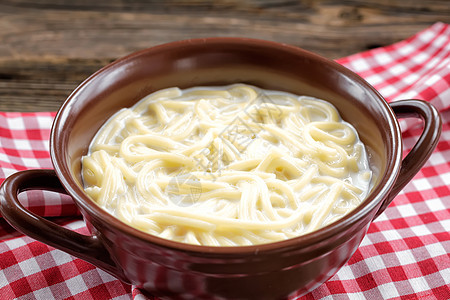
(405, 254)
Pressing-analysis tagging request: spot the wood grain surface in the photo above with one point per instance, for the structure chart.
(48, 47)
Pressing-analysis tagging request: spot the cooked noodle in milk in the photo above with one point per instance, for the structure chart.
(226, 166)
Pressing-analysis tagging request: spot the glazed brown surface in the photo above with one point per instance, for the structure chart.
(48, 47)
(261, 271)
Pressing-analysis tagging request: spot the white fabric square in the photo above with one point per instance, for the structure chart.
(76, 225)
(419, 284)
(60, 257)
(388, 91)
(44, 121)
(3, 280)
(383, 58)
(431, 65)
(406, 210)
(427, 36)
(31, 162)
(141, 297)
(22, 144)
(375, 263)
(345, 273)
(44, 294)
(445, 177)
(356, 296)
(4, 157)
(435, 205)
(446, 275)
(405, 257)
(15, 243)
(445, 224)
(420, 230)
(406, 50)
(439, 158)
(365, 241)
(397, 70)
(15, 123)
(29, 266)
(410, 79)
(105, 276)
(360, 65)
(76, 285)
(374, 79)
(388, 290)
(392, 235)
(126, 297)
(441, 101)
(381, 218)
(408, 95)
(440, 41)
(432, 80)
(435, 250)
(419, 58)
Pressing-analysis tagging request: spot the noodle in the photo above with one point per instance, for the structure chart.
(227, 166)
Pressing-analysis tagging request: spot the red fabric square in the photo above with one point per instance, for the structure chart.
(366, 282)
(21, 287)
(397, 273)
(336, 287)
(7, 259)
(427, 266)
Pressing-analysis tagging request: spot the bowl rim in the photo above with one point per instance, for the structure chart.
(369, 205)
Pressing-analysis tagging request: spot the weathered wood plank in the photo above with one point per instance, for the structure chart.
(47, 47)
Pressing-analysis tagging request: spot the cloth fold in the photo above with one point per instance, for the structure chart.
(405, 254)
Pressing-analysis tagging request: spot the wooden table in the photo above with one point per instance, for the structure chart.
(48, 47)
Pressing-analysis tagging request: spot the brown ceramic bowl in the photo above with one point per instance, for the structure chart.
(174, 270)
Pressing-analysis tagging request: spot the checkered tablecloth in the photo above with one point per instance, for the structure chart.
(405, 254)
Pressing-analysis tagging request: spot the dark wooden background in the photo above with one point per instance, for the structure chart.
(47, 47)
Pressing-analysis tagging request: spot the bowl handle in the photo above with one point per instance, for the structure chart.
(88, 248)
(424, 146)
